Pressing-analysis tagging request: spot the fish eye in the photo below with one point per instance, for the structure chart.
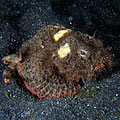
(82, 53)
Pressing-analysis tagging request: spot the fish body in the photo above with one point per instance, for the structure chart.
(58, 62)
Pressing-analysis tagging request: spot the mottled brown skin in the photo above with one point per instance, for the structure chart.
(46, 74)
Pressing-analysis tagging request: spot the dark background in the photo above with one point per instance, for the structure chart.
(19, 21)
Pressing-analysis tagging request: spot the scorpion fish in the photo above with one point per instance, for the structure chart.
(58, 61)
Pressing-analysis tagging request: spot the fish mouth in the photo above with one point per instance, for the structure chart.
(104, 64)
(99, 66)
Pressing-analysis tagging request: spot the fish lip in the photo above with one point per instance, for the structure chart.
(103, 63)
(99, 66)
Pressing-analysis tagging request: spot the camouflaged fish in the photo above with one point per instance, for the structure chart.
(58, 61)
